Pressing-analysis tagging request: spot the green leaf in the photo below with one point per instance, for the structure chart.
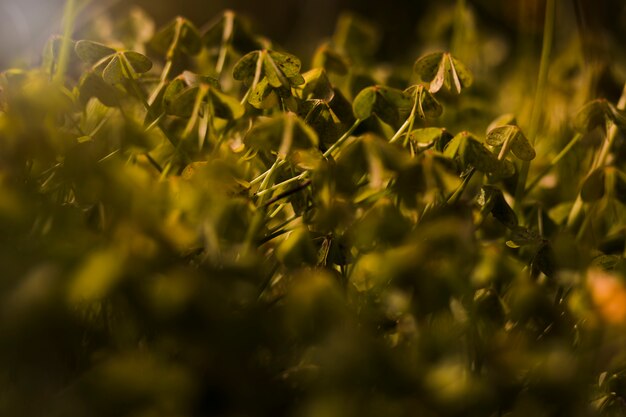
(426, 135)
(173, 89)
(514, 139)
(93, 52)
(471, 152)
(617, 116)
(320, 117)
(522, 148)
(522, 236)
(363, 104)
(386, 102)
(113, 73)
(289, 65)
(476, 154)
(225, 106)
(245, 68)
(263, 96)
(427, 66)
(317, 86)
(92, 85)
(192, 79)
(493, 201)
(442, 69)
(282, 70)
(139, 62)
(461, 75)
(183, 102)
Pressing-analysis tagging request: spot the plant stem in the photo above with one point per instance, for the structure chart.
(408, 123)
(553, 163)
(275, 187)
(287, 193)
(576, 210)
(342, 139)
(257, 76)
(542, 78)
(227, 33)
(328, 152)
(130, 76)
(454, 198)
(69, 16)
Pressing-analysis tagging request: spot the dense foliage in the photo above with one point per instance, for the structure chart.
(193, 225)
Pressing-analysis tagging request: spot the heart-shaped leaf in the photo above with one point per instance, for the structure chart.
(385, 102)
(442, 69)
(492, 201)
(138, 62)
(92, 52)
(263, 96)
(317, 86)
(512, 137)
(113, 72)
(112, 63)
(245, 69)
(92, 85)
(225, 106)
(281, 69)
(427, 135)
(471, 152)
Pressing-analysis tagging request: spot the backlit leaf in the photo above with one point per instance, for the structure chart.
(92, 52)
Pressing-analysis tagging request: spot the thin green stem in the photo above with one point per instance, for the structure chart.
(130, 76)
(328, 152)
(342, 139)
(542, 79)
(227, 34)
(69, 15)
(576, 211)
(408, 123)
(257, 76)
(285, 183)
(456, 196)
(553, 163)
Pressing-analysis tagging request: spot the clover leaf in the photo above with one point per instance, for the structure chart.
(441, 69)
(113, 65)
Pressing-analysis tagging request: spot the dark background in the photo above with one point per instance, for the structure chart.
(296, 24)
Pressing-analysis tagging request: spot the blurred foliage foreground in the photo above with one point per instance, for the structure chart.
(191, 225)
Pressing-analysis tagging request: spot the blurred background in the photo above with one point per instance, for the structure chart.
(298, 25)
